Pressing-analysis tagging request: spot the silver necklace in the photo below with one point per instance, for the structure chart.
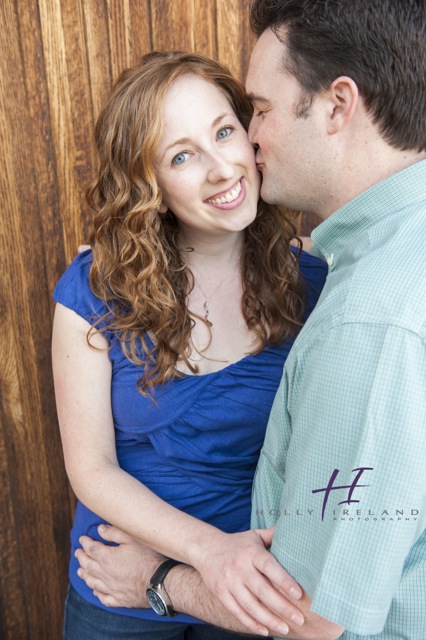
(206, 298)
(215, 290)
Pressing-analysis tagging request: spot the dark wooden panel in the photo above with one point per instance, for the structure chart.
(204, 30)
(173, 25)
(12, 601)
(129, 32)
(61, 107)
(40, 142)
(140, 37)
(37, 488)
(230, 35)
(100, 72)
(308, 222)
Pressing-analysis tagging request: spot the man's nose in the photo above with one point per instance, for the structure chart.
(252, 134)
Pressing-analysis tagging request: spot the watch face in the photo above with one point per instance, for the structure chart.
(156, 602)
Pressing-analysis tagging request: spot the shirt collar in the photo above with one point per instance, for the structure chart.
(399, 190)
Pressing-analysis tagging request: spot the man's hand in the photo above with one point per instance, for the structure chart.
(119, 575)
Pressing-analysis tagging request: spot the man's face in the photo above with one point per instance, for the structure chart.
(290, 146)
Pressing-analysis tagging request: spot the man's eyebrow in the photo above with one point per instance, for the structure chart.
(255, 98)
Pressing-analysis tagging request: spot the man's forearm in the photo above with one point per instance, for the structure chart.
(190, 595)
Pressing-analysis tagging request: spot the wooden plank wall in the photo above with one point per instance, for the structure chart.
(57, 61)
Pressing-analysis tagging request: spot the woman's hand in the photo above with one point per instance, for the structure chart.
(248, 580)
(118, 576)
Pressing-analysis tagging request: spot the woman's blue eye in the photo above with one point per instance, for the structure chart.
(180, 158)
(224, 133)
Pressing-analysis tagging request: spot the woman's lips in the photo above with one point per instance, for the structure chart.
(229, 199)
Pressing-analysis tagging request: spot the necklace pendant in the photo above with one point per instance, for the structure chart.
(206, 314)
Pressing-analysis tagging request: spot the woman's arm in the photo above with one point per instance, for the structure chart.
(236, 567)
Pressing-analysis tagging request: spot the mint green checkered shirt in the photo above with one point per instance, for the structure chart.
(350, 412)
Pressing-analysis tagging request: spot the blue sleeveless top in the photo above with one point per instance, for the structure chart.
(198, 446)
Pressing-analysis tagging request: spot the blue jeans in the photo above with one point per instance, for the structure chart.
(85, 621)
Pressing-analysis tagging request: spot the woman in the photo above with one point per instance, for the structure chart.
(170, 335)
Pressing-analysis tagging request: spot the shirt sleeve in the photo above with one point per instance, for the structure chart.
(74, 292)
(350, 415)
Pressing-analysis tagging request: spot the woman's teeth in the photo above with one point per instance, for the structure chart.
(227, 197)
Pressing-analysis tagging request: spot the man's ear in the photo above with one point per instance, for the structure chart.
(343, 98)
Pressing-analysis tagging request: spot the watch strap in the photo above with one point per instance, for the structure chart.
(161, 571)
(156, 584)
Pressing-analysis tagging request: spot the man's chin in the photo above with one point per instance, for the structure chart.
(264, 191)
(267, 194)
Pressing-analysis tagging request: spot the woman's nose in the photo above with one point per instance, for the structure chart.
(219, 168)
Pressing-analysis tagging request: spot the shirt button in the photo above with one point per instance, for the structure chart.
(330, 260)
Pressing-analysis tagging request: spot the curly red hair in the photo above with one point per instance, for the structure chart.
(138, 269)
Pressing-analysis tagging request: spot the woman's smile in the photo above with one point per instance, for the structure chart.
(231, 198)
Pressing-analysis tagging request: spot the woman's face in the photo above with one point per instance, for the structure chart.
(205, 164)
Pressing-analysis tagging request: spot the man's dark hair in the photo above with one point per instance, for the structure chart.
(380, 44)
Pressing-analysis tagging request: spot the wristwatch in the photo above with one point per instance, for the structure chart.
(156, 593)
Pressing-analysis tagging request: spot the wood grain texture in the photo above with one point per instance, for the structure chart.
(58, 59)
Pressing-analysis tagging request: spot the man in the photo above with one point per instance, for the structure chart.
(338, 89)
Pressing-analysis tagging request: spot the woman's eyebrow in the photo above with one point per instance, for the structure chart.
(186, 140)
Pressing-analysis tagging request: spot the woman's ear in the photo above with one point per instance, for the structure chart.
(163, 208)
(344, 97)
